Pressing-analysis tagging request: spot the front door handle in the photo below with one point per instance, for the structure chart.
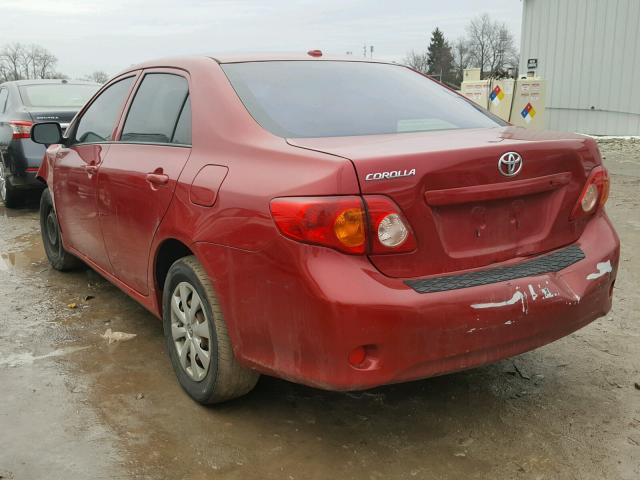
(157, 179)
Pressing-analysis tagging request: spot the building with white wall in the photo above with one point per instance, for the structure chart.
(588, 51)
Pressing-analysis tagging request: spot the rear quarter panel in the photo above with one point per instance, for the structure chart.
(260, 167)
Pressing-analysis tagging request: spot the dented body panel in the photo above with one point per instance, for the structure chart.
(295, 310)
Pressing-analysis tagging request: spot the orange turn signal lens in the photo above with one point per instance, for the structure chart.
(349, 227)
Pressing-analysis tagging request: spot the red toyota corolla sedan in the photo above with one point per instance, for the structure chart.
(338, 223)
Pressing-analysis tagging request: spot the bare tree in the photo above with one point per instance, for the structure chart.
(491, 46)
(503, 51)
(19, 62)
(41, 62)
(99, 76)
(461, 58)
(12, 59)
(417, 61)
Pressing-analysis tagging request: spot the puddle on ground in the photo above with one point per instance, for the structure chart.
(27, 210)
(32, 254)
(8, 213)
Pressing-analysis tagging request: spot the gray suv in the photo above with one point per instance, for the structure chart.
(23, 103)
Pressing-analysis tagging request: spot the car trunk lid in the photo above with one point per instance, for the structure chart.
(43, 114)
(464, 212)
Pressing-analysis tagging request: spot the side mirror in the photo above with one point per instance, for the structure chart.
(48, 133)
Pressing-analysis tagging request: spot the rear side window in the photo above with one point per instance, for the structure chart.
(339, 98)
(182, 134)
(99, 120)
(4, 94)
(155, 110)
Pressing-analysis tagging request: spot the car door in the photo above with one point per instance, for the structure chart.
(76, 172)
(137, 179)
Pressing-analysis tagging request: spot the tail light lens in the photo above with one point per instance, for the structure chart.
(20, 129)
(594, 194)
(389, 230)
(343, 223)
(336, 222)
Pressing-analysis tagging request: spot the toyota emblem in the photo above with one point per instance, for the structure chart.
(510, 164)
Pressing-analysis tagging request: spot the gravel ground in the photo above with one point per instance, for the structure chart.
(73, 406)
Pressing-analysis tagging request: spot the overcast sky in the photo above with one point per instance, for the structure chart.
(88, 35)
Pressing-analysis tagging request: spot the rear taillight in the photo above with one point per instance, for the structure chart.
(389, 230)
(20, 129)
(343, 223)
(336, 222)
(594, 194)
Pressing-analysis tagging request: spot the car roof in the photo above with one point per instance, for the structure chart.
(246, 57)
(274, 57)
(49, 81)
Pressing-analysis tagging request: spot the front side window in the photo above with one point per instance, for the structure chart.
(99, 120)
(340, 98)
(155, 110)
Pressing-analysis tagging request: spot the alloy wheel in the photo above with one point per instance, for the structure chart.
(190, 331)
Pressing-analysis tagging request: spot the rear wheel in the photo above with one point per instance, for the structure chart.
(58, 257)
(197, 337)
(8, 193)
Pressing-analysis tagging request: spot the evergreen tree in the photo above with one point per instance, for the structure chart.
(440, 58)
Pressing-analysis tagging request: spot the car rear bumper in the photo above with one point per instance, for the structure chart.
(300, 320)
(27, 180)
(23, 160)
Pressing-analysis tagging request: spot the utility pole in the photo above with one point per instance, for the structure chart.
(364, 51)
(371, 50)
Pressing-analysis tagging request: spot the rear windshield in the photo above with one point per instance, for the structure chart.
(331, 99)
(65, 95)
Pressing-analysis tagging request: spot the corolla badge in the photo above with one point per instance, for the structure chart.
(510, 164)
(390, 174)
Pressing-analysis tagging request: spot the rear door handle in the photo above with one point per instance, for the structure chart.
(157, 179)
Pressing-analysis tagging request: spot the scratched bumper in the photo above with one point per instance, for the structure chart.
(306, 329)
(470, 327)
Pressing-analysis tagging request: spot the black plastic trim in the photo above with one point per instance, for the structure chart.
(552, 262)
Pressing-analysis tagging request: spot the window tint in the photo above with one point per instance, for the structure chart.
(154, 111)
(99, 120)
(4, 94)
(182, 134)
(331, 98)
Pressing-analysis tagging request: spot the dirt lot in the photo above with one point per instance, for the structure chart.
(74, 407)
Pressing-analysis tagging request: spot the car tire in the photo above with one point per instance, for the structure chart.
(195, 330)
(8, 193)
(58, 257)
